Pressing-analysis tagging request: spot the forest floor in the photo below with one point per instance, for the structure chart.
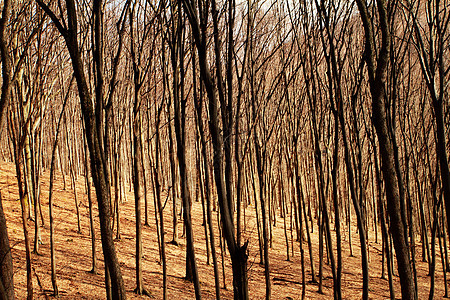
(73, 254)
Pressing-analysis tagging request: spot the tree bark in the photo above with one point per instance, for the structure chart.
(138, 195)
(138, 168)
(98, 162)
(377, 69)
(50, 198)
(177, 55)
(238, 253)
(198, 103)
(6, 265)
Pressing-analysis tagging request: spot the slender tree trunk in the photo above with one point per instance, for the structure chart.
(308, 234)
(198, 108)
(263, 216)
(441, 235)
(6, 265)
(50, 199)
(441, 152)
(74, 187)
(260, 155)
(284, 212)
(337, 222)
(23, 205)
(434, 230)
(358, 211)
(52, 240)
(138, 168)
(159, 202)
(30, 188)
(91, 213)
(180, 134)
(137, 183)
(384, 230)
(258, 221)
(117, 190)
(173, 173)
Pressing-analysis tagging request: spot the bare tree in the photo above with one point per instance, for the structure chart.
(69, 30)
(198, 14)
(377, 60)
(6, 265)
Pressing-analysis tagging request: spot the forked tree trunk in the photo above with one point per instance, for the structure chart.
(238, 253)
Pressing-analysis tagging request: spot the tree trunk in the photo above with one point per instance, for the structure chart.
(377, 69)
(138, 168)
(23, 205)
(6, 266)
(384, 229)
(137, 183)
(159, 202)
(358, 211)
(91, 213)
(177, 55)
(198, 103)
(260, 171)
(93, 136)
(50, 198)
(238, 254)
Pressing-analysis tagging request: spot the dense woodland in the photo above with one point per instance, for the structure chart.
(324, 117)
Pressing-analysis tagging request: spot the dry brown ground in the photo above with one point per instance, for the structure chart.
(73, 255)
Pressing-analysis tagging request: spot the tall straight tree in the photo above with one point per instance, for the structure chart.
(138, 42)
(198, 103)
(6, 265)
(50, 193)
(177, 59)
(377, 60)
(93, 125)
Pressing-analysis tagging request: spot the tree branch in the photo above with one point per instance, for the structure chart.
(62, 29)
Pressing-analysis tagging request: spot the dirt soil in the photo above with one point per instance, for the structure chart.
(73, 254)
